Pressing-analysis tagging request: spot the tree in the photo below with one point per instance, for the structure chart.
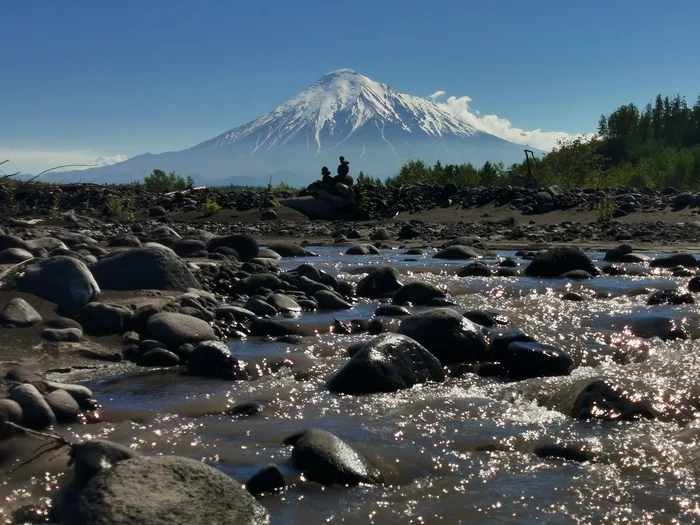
(160, 181)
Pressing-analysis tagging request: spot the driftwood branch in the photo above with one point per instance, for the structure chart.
(59, 167)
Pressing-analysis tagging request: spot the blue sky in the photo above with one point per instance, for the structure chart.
(83, 79)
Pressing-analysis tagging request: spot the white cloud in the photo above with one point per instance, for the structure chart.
(458, 107)
(34, 160)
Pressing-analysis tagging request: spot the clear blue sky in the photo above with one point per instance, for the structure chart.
(130, 76)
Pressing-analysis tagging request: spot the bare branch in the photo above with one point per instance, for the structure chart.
(59, 167)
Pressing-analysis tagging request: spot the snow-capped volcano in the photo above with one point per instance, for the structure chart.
(343, 113)
(338, 105)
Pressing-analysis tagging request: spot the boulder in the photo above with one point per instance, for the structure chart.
(186, 247)
(676, 259)
(326, 459)
(475, 269)
(146, 268)
(159, 357)
(388, 363)
(164, 490)
(560, 260)
(420, 293)
(283, 303)
(157, 211)
(62, 335)
(328, 300)
(458, 252)
(527, 359)
(670, 297)
(63, 405)
(10, 411)
(36, 412)
(362, 249)
(65, 281)
(246, 246)
(288, 249)
(175, 329)
(209, 359)
(19, 313)
(14, 256)
(267, 479)
(100, 318)
(447, 335)
(595, 399)
(259, 306)
(614, 254)
(379, 281)
(391, 310)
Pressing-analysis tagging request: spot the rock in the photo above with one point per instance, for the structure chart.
(391, 310)
(447, 335)
(267, 253)
(467, 240)
(420, 293)
(694, 284)
(209, 359)
(670, 297)
(567, 452)
(159, 357)
(595, 399)
(269, 328)
(288, 249)
(382, 280)
(246, 246)
(37, 413)
(238, 313)
(458, 252)
(79, 392)
(525, 359)
(388, 363)
(576, 275)
(130, 241)
(484, 318)
(176, 329)
(676, 259)
(63, 405)
(100, 318)
(251, 285)
(560, 260)
(62, 335)
(14, 256)
(326, 459)
(260, 307)
(46, 243)
(10, 411)
(12, 241)
(475, 269)
(164, 490)
(648, 326)
(186, 247)
(268, 479)
(634, 258)
(362, 249)
(283, 303)
(65, 281)
(328, 300)
(19, 313)
(380, 234)
(147, 268)
(615, 254)
(268, 215)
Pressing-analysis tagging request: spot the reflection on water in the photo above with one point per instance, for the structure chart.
(465, 448)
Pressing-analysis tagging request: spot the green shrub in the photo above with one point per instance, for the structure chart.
(211, 207)
(56, 206)
(605, 209)
(162, 182)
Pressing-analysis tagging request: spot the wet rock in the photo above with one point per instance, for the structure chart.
(525, 359)
(308, 271)
(380, 234)
(328, 300)
(14, 256)
(676, 259)
(36, 412)
(447, 335)
(260, 307)
(391, 310)
(63, 405)
(694, 284)
(79, 392)
(244, 410)
(634, 258)
(269, 328)
(164, 490)
(387, 363)
(572, 296)
(595, 399)
(268, 479)
(508, 263)
(670, 297)
(267, 253)
(458, 252)
(159, 357)
(245, 246)
(475, 269)
(576, 275)
(288, 249)
(615, 254)
(558, 261)
(238, 313)
(62, 335)
(176, 329)
(10, 411)
(484, 318)
(420, 293)
(209, 359)
(254, 283)
(649, 325)
(65, 281)
(100, 318)
(283, 303)
(326, 459)
(362, 249)
(147, 268)
(379, 281)
(19, 313)
(567, 452)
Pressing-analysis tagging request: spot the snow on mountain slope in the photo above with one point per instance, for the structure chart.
(343, 113)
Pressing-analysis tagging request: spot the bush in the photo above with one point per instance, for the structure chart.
(211, 207)
(161, 182)
(116, 205)
(605, 209)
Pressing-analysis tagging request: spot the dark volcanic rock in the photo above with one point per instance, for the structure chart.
(523, 360)
(147, 268)
(267, 479)
(677, 259)
(458, 252)
(447, 335)
(62, 280)
(19, 313)
(595, 399)
(558, 261)
(176, 329)
(14, 256)
(36, 411)
(326, 459)
(420, 293)
(245, 246)
(164, 490)
(670, 297)
(379, 281)
(387, 363)
(100, 318)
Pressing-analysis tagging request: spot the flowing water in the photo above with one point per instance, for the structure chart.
(463, 450)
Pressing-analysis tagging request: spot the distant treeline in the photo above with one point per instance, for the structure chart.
(658, 146)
